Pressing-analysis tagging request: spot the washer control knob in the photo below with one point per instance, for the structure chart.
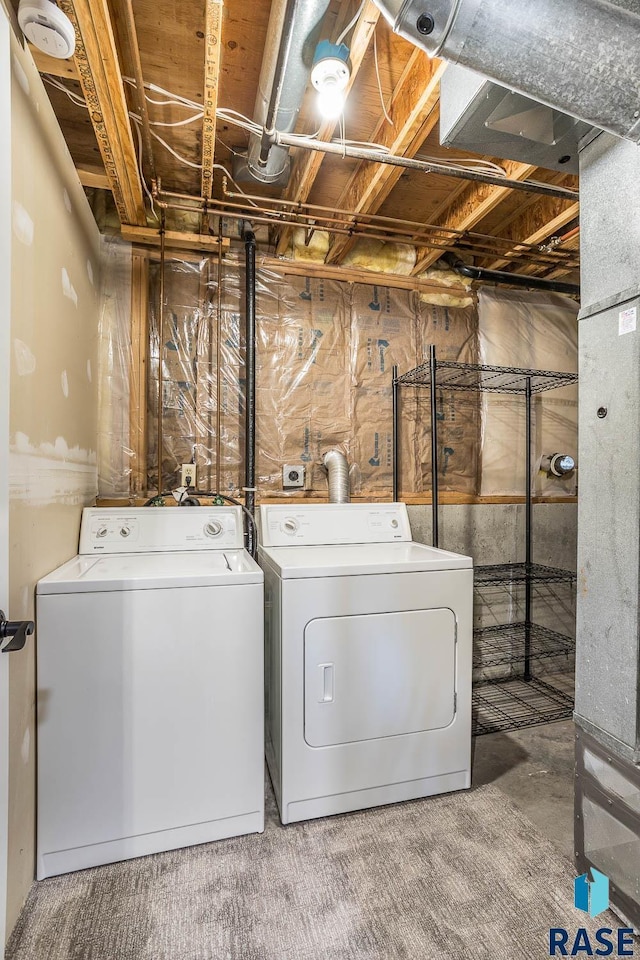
(101, 532)
(394, 523)
(213, 528)
(125, 531)
(290, 526)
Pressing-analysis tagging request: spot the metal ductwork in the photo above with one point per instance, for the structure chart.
(292, 36)
(578, 56)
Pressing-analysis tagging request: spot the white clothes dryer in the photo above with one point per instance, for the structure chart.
(368, 640)
(150, 688)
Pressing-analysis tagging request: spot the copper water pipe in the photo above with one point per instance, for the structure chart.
(218, 362)
(356, 229)
(160, 353)
(481, 249)
(131, 38)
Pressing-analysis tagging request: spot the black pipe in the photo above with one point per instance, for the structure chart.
(513, 279)
(528, 535)
(267, 140)
(435, 533)
(396, 445)
(250, 375)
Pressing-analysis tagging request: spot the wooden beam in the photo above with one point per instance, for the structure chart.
(96, 60)
(65, 69)
(308, 163)
(93, 176)
(138, 373)
(537, 224)
(150, 237)
(303, 268)
(212, 47)
(471, 206)
(313, 496)
(415, 111)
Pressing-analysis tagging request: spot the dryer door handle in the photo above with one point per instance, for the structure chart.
(326, 682)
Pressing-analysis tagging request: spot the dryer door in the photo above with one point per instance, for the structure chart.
(379, 675)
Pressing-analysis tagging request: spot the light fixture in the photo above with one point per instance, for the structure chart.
(330, 75)
(47, 27)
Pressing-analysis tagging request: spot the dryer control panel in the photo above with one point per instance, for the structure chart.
(159, 529)
(333, 523)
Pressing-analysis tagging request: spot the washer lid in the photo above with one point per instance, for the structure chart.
(155, 571)
(352, 560)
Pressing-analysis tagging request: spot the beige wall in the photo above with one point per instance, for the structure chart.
(53, 422)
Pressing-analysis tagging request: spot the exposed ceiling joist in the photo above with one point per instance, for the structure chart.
(538, 222)
(308, 163)
(96, 61)
(415, 112)
(471, 206)
(212, 48)
(65, 69)
(93, 176)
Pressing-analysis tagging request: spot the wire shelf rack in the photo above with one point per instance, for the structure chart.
(474, 377)
(505, 643)
(514, 703)
(506, 574)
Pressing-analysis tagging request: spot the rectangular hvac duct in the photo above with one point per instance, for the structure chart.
(487, 118)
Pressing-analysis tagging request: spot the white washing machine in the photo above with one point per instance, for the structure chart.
(368, 659)
(150, 688)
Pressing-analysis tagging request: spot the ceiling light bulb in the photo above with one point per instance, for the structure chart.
(331, 102)
(330, 76)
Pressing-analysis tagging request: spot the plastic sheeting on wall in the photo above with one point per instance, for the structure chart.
(114, 363)
(535, 331)
(325, 354)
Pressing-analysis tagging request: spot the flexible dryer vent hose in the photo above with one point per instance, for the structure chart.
(337, 469)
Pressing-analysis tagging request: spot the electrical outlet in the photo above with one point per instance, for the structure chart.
(292, 476)
(188, 475)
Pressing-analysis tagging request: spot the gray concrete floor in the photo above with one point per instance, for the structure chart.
(534, 767)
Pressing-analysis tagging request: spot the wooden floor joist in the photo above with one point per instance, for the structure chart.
(64, 69)
(308, 163)
(539, 222)
(96, 61)
(93, 176)
(212, 47)
(415, 112)
(471, 206)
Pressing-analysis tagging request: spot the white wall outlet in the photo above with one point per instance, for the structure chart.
(292, 475)
(188, 475)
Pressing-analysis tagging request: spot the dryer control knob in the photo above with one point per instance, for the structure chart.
(290, 526)
(101, 532)
(213, 528)
(125, 531)
(394, 523)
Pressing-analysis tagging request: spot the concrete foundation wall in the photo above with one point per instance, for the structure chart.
(494, 533)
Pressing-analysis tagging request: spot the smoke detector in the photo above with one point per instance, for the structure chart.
(47, 28)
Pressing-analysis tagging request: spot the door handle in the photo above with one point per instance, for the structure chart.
(326, 682)
(18, 630)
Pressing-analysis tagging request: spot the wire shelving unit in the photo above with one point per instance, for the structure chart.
(501, 703)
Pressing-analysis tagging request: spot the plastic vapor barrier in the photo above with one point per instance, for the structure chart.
(537, 331)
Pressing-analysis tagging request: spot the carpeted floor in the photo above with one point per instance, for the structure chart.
(453, 877)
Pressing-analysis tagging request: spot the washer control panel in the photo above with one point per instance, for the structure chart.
(159, 529)
(328, 523)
